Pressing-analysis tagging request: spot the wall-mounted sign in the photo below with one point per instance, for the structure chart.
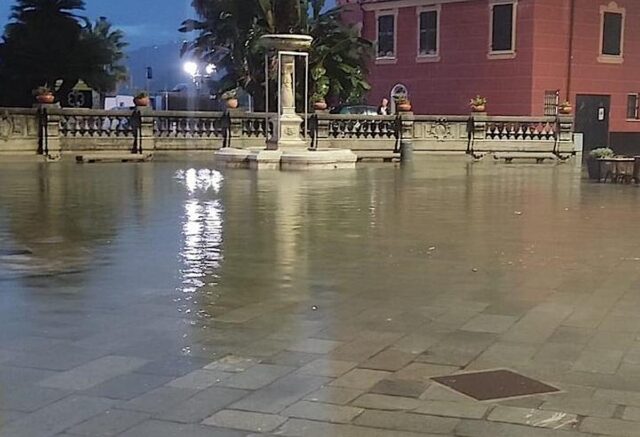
(601, 114)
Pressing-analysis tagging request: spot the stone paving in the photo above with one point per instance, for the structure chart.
(557, 301)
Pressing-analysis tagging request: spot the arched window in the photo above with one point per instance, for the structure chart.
(399, 91)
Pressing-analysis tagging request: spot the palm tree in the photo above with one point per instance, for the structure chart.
(48, 42)
(227, 35)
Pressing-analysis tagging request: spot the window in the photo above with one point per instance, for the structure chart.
(633, 112)
(428, 42)
(386, 36)
(503, 27)
(551, 102)
(612, 34)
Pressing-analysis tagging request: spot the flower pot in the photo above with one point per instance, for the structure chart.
(593, 169)
(479, 108)
(232, 103)
(404, 107)
(565, 110)
(320, 106)
(45, 98)
(141, 101)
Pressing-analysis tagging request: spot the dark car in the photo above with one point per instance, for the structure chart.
(355, 110)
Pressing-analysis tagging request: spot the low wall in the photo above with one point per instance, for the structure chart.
(52, 130)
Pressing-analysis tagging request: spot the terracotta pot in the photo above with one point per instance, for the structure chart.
(566, 110)
(232, 103)
(45, 98)
(320, 106)
(479, 108)
(141, 101)
(404, 107)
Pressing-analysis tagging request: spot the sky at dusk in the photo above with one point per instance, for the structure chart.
(146, 22)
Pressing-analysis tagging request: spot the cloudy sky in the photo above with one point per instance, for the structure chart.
(146, 22)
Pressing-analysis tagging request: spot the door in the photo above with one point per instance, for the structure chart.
(592, 120)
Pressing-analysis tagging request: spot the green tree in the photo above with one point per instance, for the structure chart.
(228, 32)
(48, 42)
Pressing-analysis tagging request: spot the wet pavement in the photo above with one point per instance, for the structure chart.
(170, 299)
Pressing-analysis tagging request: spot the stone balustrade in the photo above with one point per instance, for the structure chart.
(53, 130)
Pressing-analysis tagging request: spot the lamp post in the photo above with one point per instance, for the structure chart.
(199, 72)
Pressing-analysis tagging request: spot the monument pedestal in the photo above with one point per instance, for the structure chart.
(287, 159)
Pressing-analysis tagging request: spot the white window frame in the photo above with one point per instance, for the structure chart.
(503, 54)
(387, 59)
(428, 57)
(612, 8)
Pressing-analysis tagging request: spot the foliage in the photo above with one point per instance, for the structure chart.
(478, 101)
(47, 43)
(230, 94)
(142, 94)
(601, 152)
(228, 31)
(320, 84)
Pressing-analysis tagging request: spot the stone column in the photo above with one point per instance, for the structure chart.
(288, 135)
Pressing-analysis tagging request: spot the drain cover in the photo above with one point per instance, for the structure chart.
(495, 384)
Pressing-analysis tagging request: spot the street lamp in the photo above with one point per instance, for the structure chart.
(194, 70)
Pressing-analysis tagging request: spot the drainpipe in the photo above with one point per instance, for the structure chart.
(570, 51)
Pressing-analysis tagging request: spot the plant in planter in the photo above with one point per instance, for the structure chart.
(403, 104)
(141, 99)
(320, 88)
(593, 164)
(43, 94)
(231, 98)
(565, 107)
(478, 104)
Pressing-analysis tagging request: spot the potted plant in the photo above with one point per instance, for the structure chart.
(231, 98)
(593, 164)
(141, 99)
(478, 104)
(565, 108)
(43, 94)
(320, 88)
(403, 104)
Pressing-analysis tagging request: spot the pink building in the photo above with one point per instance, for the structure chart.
(525, 56)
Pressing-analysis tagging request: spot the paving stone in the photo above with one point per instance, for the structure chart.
(465, 410)
(232, 363)
(110, 423)
(400, 387)
(384, 402)
(407, 422)
(173, 366)
(490, 323)
(390, 359)
(477, 428)
(362, 379)
(308, 428)
(158, 400)
(458, 348)
(202, 405)
(614, 427)
(59, 357)
(29, 398)
(599, 361)
(533, 417)
(587, 406)
(572, 335)
(93, 373)
(290, 358)
(157, 428)
(57, 417)
(618, 397)
(256, 377)
(245, 420)
(282, 393)
(128, 386)
(334, 395)
(438, 392)
(328, 368)
(322, 412)
(424, 372)
(359, 350)
(7, 416)
(315, 346)
(632, 414)
(200, 379)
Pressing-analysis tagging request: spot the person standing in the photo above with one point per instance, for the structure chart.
(383, 109)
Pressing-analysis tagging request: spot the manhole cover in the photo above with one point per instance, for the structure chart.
(495, 384)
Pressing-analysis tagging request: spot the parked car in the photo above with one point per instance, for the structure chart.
(355, 110)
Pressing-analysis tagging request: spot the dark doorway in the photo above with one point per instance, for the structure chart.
(592, 120)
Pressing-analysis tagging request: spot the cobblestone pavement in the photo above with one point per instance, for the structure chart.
(153, 300)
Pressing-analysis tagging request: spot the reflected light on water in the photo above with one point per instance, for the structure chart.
(202, 236)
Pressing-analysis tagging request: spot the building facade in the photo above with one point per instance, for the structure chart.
(524, 56)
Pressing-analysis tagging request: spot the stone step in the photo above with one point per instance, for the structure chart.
(113, 157)
(538, 156)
